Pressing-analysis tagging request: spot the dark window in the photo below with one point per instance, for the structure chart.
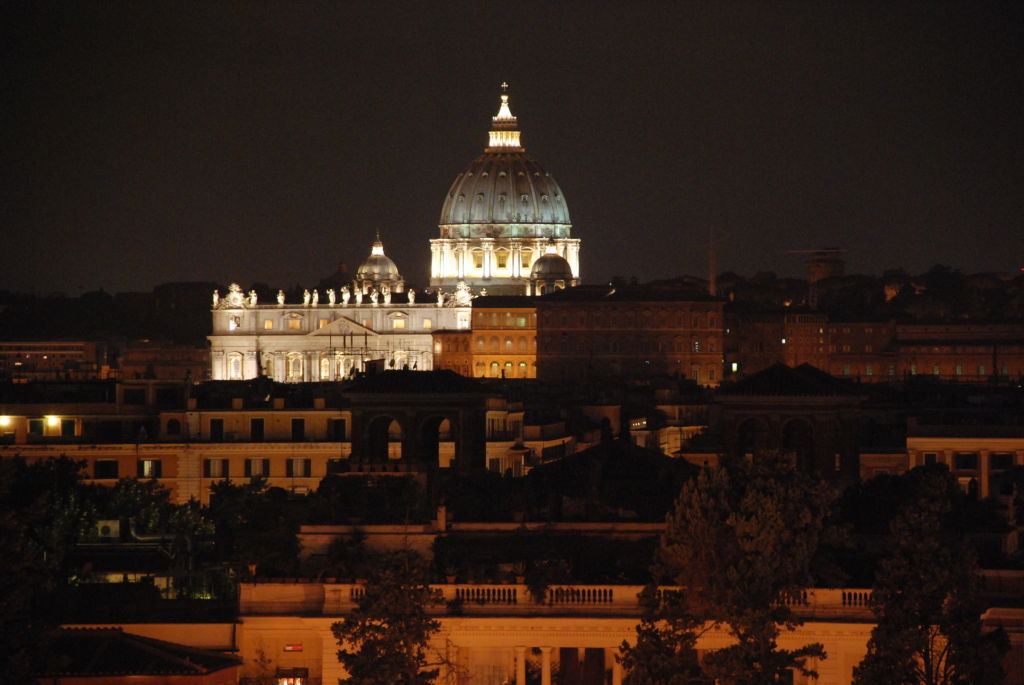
(337, 466)
(35, 427)
(929, 458)
(257, 467)
(167, 398)
(336, 430)
(173, 427)
(135, 396)
(298, 429)
(105, 468)
(216, 430)
(966, 461)
(1000, 461)
(215, 468)
(150, 468)
(256, 430)
(299, 468)
(67, 428)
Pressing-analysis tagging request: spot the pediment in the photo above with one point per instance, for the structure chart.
(343, 326)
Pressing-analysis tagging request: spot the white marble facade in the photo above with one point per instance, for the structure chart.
(320, 341)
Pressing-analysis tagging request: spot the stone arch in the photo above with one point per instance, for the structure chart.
(751, 437)
(433, 431)
(798, 443)
(384, 439)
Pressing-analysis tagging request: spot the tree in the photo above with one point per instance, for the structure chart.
(740, 544)
(384, 641)
(43, 512)
(926, 598)
(255, 527)
(666, 641)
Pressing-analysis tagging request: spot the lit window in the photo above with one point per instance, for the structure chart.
(525, 259)
(367, 323)
(150, 468)
(869, 370)
(478, 260)
(268, 324)
(398, 324)
(428, 323)
(935, 370)
(294, 324)
(321, 323)
(981, 370)
(959, 370)
(502, 260)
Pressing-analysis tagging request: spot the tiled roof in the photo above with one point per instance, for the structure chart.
(81, 652)
(779, 379)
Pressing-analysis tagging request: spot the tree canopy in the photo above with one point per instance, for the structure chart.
(740, 544)
(926, 597)
(385, 639)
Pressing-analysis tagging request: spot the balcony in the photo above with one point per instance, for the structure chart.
(291, 597)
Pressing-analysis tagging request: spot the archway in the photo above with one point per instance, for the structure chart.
(751, 438)
(435, 445)
(385, 440)
(798, 444)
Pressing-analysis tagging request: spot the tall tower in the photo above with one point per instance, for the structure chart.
(502, 214)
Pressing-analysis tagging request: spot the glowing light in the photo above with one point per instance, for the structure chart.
(53, 421)
(5, 421)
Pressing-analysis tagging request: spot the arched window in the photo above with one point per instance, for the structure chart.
(494, 370)
(294, 366)
(173, 427)
(325, 369)
(495, 344)
(508, 345)
(235, 366)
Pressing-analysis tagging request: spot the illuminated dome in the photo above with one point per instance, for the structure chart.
(379, 269)
(551, 266)
(499, 215)
(505, 185)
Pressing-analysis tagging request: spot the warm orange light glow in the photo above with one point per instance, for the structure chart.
(53, 421)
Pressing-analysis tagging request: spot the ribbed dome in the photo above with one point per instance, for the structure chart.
(504, 184)
(551, 267)
(378, 266)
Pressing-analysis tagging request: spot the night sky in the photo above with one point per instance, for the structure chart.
(148, 142)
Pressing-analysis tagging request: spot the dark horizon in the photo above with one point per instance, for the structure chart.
(250, 142)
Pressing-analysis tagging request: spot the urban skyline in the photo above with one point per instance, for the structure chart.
(263, 143)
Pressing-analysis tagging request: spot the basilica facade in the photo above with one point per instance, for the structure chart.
(504, 229)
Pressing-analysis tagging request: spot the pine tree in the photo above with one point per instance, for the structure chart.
(926, 599)
(385, 640)
(740, 543)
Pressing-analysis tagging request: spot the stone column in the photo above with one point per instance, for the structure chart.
(983, 456)
(517, 259)
(520, 665)
(545, 666)
(488, 246)
(616, 667)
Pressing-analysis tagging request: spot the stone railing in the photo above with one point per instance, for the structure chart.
(334, 599)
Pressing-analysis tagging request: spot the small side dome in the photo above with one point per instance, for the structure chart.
(378, 266)
(551, 267)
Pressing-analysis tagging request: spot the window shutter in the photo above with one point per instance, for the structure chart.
(225, 467)
(138, 468)
(248, 468)
(289, 468)
(206, 468)
(266, 468)
(158, 469)
(307, 467)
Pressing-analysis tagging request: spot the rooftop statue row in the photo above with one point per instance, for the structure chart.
(236, 298)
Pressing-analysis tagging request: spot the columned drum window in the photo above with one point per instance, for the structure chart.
(235, 366)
